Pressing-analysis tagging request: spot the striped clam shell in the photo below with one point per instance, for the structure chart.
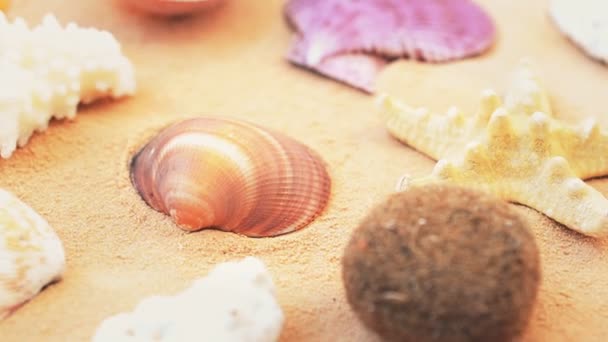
(31, 254)
(231, 175)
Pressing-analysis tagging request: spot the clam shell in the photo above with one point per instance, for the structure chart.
(172, 7)
(334, 36)
(232, 175)
(31, 254)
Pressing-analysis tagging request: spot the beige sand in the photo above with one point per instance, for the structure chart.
(229, 62)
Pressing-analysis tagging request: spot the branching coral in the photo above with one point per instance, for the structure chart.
(48, 70)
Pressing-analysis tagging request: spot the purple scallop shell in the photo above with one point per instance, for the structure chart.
(352, 40)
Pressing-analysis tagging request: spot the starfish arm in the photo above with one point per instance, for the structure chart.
(526, 94)
(557, 192)
(554, 191)
(585, 147)
(436, 135)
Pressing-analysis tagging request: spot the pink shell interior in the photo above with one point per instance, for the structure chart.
(428, 30)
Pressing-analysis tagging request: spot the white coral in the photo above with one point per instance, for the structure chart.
(235, 302)
(48, 70)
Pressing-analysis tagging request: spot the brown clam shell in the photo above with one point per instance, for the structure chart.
(232, 175)
(173, 7)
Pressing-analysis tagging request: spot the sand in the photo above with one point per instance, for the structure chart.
(230, 62)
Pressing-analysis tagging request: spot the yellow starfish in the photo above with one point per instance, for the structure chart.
(514, 148)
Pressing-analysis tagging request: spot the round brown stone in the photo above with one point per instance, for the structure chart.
(442, 263)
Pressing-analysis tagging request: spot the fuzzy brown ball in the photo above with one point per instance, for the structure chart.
(442, 263)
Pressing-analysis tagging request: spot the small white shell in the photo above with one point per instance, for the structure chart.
(234, 303)
(31, 254)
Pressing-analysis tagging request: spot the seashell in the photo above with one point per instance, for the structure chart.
(515, 148)
(31, 254)
(173, 7)
(236, 301)
(351, 41)
(584, 22)
(219, 173)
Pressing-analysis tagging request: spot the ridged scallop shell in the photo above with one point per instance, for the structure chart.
(228, 174)
(31, 254)
(351, 41)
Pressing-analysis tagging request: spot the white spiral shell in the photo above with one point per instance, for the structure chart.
(31, 254)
